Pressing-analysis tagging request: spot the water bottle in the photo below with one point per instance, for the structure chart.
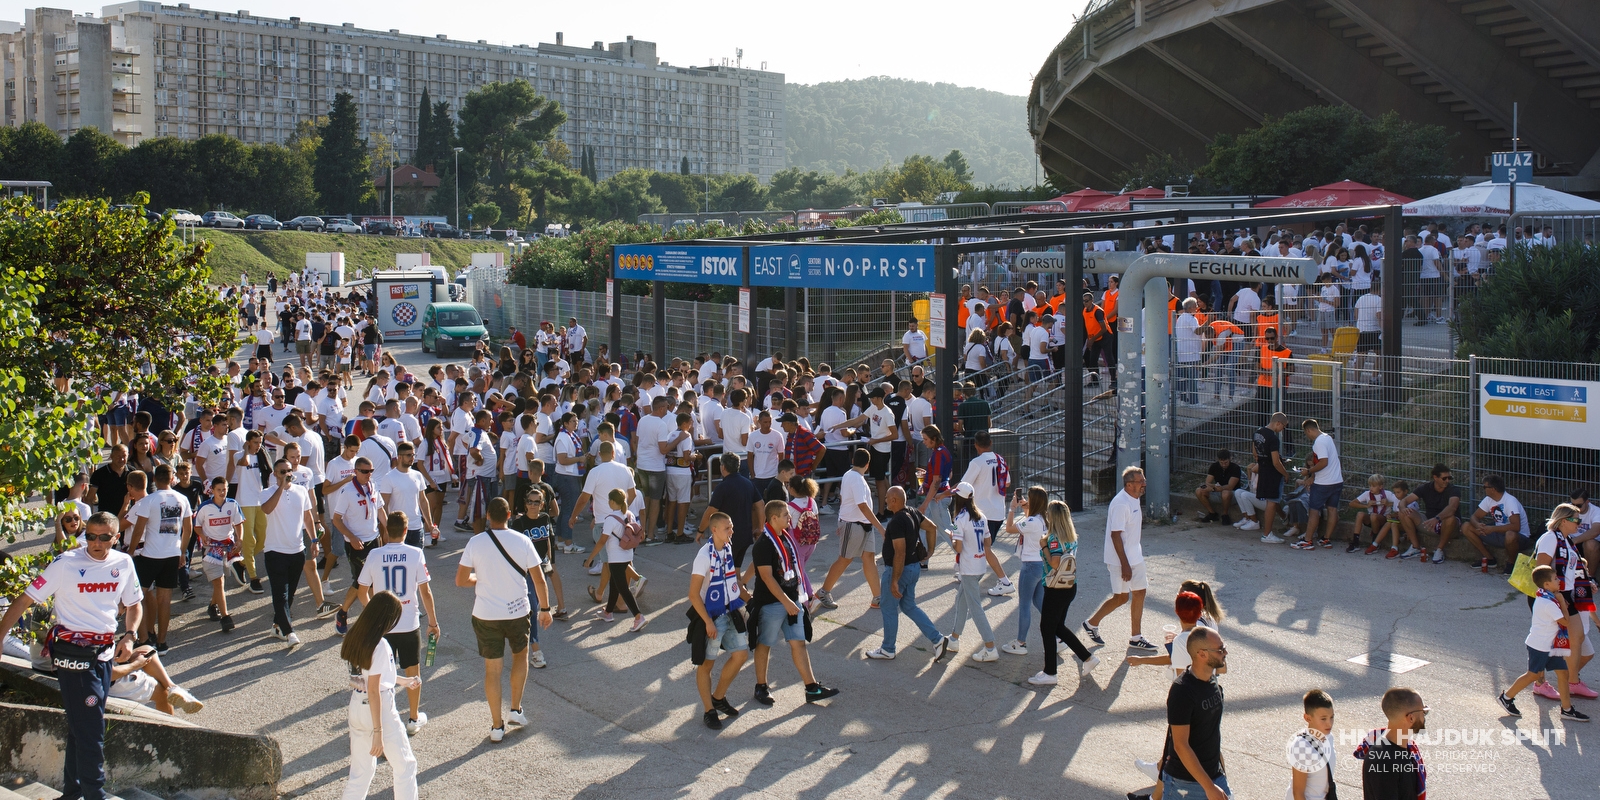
(433, 647)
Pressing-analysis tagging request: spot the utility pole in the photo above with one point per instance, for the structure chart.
(458, 185)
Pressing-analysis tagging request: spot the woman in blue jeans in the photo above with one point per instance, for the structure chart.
(1030, 580)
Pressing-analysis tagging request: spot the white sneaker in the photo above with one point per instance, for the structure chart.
(1411, 552)
(184, 701)
(414, 725)
(1272, 538)
(516, 717)
(986, 654)
(1002, 589)
(536, 658)
(637, 587)
(1086, 667)
(1438, 555)
(638, 623)
(880, 654)
(1240, 523)
(1042, 679)
(496, 734)
(1015, 648)
(1149, 768)
(1248, 524)
(596, 569)
(293, 640)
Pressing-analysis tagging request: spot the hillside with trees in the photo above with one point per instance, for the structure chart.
(863, 125)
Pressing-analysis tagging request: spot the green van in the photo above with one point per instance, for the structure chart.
(448, 327)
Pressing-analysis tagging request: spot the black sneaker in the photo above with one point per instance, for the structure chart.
(162, 647)
(255, 586)
(721, 704)
(238, 571)
(188, 594)
(1093, 633)
(1355, 544)
(211, 611)
(227, 623)
(712, 720)
(1208, 517)
(341, 621)
(763, 696)
(1569, 715)
(1508, 704)
(1227, 520)
(817, 691)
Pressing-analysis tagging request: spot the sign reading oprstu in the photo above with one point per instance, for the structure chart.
(1538, 410)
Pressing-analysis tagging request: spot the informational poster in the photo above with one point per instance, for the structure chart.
(1538, 410)
(936, 320)
(744, 309)
(611, 290)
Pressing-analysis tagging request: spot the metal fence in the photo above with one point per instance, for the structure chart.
(1571, 228)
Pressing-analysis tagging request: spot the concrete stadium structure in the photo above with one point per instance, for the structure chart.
(1135, 77)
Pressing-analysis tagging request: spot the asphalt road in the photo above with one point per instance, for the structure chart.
(616, 714)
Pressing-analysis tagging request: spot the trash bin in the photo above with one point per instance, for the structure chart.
(1322, 374)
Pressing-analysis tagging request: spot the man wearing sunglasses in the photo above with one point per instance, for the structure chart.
(1193, 757)
(1439, 500)
(358, 512)
(91, 586)
(1391, 761)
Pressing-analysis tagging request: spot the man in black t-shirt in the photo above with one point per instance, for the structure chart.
(903, 552)
(777, 604)
(1268, 448)
(778, 488)
(108, 485)
(735, 496)
(1441, 504)
(1222, 478)
(1192, 758)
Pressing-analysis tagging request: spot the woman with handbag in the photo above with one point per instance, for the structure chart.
(968, 538)
(1059, 550)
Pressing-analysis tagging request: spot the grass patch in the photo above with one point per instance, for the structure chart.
(264, 253)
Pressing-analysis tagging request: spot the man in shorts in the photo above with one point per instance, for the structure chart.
(881, 423)
(163, 524)
(1271, 473)
(1369, 329)
(860, 532)
(494, 564)
(1324, 482)
(403, 570)
(718, 600)
(1499, 522)
(1223, 478)
(1124, 557)
(777, 603)
(654, 430)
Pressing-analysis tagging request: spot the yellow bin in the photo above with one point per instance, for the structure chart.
(919, 309)
(1322, 374)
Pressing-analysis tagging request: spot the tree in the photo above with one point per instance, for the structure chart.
(1540, 304)
(284, 186)
(226, 171)
(919, 179)
(957, 164)
(504, 127)
(738, 193)
(795, 188)
(424, 155)
(483, 215)
(163, 167)
(69, 320)
(343, 174)
(623, 196)
(88, 162)
(31, 152)
(1158, 170)
(1324, 144)
(683, 166)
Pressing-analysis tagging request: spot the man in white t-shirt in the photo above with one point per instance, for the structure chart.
(1500, 521)
(653, 431)
(1124, 559)
(461, 425)
(860, 532)
(1369, 329)
(914, 344)
(358, 514)
(499, 576)
(405, 490)
(1244, 305)
(400, 568)
(608, 473)
(302, 340)
(881, 432)
(164, 523)
(1430, 280)
(766, 450)
(735, 424)
(1324, 480)
(1186, 341)
(378, 449)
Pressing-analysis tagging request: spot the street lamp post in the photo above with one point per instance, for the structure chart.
(393, 163)
(458, 184)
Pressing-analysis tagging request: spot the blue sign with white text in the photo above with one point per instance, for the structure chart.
(878, 267)
(678, 263)
(1547, 392)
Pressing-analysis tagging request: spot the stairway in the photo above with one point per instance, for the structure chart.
(38, 791)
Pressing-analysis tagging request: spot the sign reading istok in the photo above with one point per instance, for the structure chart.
(1538, 410)
(678, 263)
(873, 267)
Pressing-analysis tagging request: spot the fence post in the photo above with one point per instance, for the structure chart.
(1073, 400)
(750, 335)
(1472, 420)
(614, 300)
(1393, 305)
(658, 296)
(791, 319)
(944, 282)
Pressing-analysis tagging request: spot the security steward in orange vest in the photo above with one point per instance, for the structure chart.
(1108, 302)
(1267, 317)
(1094, 339)
(1269, 352)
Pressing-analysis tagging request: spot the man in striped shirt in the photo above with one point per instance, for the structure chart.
(800, 445)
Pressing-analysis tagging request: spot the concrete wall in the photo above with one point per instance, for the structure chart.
(94, 76)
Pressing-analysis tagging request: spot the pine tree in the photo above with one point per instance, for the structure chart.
(343, 174)
(683, 166)
(424, 153)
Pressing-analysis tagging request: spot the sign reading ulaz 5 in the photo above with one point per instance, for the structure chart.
(872, 267)
(678, 263)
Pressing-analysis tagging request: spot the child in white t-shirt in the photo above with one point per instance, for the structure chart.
(1380, 508)
(1548, 646)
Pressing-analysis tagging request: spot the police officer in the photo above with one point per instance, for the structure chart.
(91, 586)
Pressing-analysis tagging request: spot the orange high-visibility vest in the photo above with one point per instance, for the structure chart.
(1109, 303)
(1268, 355)
(1172, 313)
(1222, 326)
(1091, 325)
(1264, 321)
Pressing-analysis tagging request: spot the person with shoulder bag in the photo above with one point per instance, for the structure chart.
(619, 537)
(1059, 550)
(717, 620)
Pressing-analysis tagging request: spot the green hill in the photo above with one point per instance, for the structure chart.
(864, 124)
(263, 253)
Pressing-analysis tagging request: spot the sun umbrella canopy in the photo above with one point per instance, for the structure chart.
(1343, 193)
(1123, 202)
(1494, 199)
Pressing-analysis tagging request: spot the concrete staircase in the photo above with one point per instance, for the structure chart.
(38, 791)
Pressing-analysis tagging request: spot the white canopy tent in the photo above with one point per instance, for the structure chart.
(1490, 199)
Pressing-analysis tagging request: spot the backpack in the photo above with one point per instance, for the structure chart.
(809, 530)
(632, 533)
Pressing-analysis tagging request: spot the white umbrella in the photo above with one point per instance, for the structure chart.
(1494, 199)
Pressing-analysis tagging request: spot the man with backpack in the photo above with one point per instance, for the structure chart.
(903, 554)
(991, 480)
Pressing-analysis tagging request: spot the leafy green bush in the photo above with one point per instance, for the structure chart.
(1541, 304)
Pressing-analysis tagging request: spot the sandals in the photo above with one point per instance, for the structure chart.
(593, 596)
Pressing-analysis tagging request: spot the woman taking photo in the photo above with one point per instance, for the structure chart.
(1030, 579)
(375, 726)
(1059, 554)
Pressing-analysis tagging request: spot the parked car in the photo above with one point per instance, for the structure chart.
(452, 327)
(340, 225)
(221, 219)
(378, 227)
(304, 223)
(183, 217)
(440, 230)
(149, 216)
(262, 222)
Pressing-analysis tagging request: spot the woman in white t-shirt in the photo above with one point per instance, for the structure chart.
(254, 471)
(433, 455)
(1029, 530)
(1327, 308)
(618, 558)
(375, 726)
(969, 539)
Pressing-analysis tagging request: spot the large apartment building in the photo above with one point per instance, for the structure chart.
(143, 69)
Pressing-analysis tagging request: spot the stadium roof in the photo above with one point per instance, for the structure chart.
(1136, 77)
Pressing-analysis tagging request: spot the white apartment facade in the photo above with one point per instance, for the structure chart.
(143, 69)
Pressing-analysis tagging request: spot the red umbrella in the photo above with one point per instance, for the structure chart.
(1343, 193)
(1074, 201)
(1123, 202)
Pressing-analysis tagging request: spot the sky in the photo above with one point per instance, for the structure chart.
(937, 41)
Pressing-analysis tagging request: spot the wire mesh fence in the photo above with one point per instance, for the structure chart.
(845, 326)
(1557, 228)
